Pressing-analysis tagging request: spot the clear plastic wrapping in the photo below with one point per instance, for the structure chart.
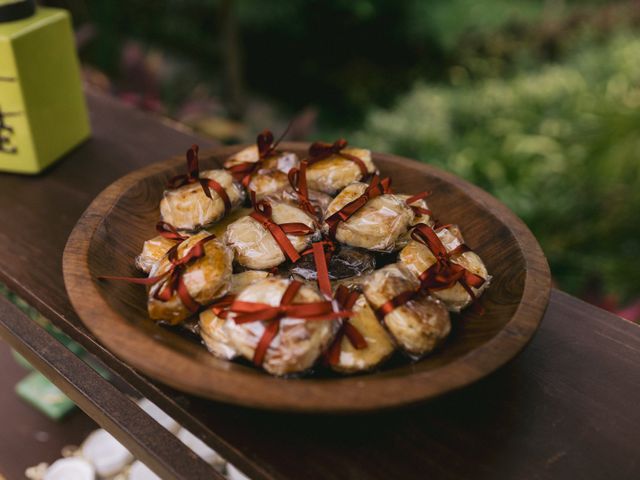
(346, 262)
(270, 176)
(298, 343)
(212, 329)
(332, 174)
(379, 344)
(206, 279)
(418, 258)
(418, 325)
(152, 252)
(188, 208)
(253, 244)
(377, 225)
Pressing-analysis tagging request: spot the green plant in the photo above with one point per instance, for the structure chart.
(559, 145)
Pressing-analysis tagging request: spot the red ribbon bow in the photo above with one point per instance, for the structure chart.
(173, 281)
(262, 212)
(267, 148)
(194, 177)
(321, 150)
(417, 209)
(247, 312)
(444, 273)
(298, 180)
(376, 188)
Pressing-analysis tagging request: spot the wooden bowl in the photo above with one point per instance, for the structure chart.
(111, 232)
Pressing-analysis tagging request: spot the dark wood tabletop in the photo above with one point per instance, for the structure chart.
(567, 406)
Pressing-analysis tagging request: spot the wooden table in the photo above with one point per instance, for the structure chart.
(566, 407)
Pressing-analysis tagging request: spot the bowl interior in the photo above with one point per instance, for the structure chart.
(130, 221)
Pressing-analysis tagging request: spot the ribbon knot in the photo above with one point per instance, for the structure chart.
(376, 188)
(321, 150)
(267, 148)
(193, 176)
(298, 180)
(444, 273)
(262, 213)
(247, 312)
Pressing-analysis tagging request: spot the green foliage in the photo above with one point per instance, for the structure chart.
(560, 146)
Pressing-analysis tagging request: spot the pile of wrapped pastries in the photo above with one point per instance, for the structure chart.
(294, 263)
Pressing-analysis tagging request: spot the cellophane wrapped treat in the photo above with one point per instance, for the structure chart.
(152, 252)
(419, 323)
(377, 225)
(263, 174)
(370, 348)
(205, 278)
(298, 342)
(189, 208)
(334, 166)
(420, 255)
(212, 329)
(255, 246)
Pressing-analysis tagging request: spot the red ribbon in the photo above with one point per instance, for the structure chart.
(321, 150)
(262, 212)
(417, 209)
(376, 188)
(395, 302)
(322, 269)
(173, 281)
(346, 299)
(168, 231)
(298, 181)
(267, 148)
(444, 273)
(221, 307)
(247, 312)
(194, 177)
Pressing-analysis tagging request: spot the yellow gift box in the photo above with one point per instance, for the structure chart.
(43, 113)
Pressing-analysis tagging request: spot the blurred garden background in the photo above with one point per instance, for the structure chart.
(537, 101)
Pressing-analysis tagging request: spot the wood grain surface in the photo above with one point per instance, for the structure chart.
(111, 232)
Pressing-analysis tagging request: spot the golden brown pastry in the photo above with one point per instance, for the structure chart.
(202, 265)
(418, 258)
(375, 226)
(265, 175)
(371, 346)
(296, 344)
(334, 166)
(212, 326)
(189, 208)
(152, 251)
(418, 324)
(255, 246)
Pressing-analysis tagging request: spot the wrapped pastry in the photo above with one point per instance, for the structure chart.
(154, 249)
(199, 198)
(333, 166)
(445, 266)
(361, 343)
(195, 273)
(367, 216)
(344, 262)
(262, 168)
(421, 211)
(281, 325)
(212, 323)
(273, 232)
(417, 322)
